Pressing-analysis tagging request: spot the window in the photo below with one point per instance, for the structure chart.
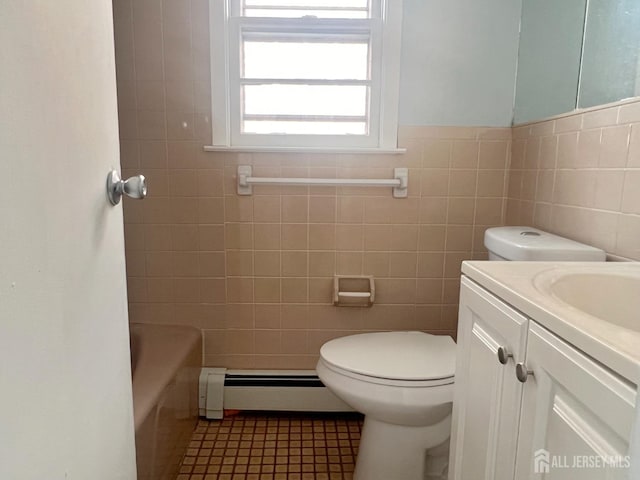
(305, 73)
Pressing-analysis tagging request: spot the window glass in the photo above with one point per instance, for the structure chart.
(305, 128)
(333, 100)
(302, 8)
(305, 60)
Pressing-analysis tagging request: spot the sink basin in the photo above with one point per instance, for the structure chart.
(612, 296)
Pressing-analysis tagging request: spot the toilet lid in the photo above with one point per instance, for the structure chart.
(393, 355)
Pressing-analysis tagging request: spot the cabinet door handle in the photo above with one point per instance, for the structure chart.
(504, 355)
(522, 373)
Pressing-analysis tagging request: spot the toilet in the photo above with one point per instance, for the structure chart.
(403, 381)
(530, 244)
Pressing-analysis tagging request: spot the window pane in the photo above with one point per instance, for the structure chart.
(291, 60)
(300, 8)
(305, 100)
(307, 3)
(305, 128)
(282, 13)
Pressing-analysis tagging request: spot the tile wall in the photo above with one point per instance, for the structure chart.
(578, 176)
(255, 273)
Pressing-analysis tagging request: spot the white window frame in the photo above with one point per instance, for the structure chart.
(385, 26)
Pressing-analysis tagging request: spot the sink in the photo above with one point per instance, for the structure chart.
(612, 296)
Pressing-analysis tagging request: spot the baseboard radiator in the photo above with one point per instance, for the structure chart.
(267, 390)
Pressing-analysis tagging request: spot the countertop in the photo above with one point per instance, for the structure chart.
(615, 347)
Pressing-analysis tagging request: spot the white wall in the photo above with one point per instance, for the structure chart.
(459, 62)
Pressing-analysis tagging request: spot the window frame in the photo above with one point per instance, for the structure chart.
(385, 26)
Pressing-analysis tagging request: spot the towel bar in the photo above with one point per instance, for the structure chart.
(399, 183)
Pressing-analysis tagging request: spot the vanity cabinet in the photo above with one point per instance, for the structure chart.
(487, 394)
(547, 397)
(573, 408)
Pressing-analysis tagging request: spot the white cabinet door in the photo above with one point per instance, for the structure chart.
(574, 411)
(487, 394)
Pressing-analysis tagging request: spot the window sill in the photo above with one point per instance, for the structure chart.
(335, 150)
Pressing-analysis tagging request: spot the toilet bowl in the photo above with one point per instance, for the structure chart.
(403, 383)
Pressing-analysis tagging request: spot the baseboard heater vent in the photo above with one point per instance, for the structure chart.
(271, 380)
(267, 390)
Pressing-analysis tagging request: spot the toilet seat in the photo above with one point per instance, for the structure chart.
(385, 381)
(404, 359)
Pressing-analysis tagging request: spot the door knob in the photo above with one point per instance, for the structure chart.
(134, 187)
(504, 355)
(522, 373)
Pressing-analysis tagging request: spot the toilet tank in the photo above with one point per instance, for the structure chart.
(531, 244)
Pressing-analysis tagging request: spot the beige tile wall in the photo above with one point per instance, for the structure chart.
(255, 272)
(579, 176)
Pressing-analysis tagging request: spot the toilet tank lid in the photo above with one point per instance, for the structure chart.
(393, 355)
(527, 244)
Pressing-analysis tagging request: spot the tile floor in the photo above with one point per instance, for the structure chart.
(265, 446)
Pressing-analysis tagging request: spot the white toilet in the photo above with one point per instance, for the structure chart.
(403, 381)
(530, 244)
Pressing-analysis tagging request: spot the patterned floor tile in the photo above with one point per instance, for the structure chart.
(265, 446)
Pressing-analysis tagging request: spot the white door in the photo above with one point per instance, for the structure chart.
(65, 391)
(574, 414)
(487, 393)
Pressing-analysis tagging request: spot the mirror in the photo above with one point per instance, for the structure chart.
(576, 54)
(610, 68)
